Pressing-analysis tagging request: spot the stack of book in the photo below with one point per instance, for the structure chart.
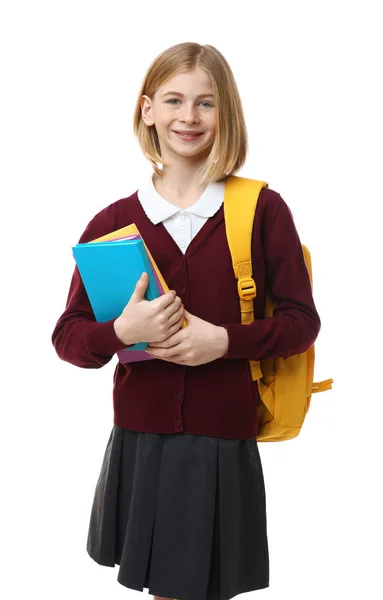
(110, 267)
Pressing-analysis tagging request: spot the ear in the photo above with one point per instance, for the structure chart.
(146, 110)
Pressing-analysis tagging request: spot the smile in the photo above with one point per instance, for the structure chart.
(187, 137)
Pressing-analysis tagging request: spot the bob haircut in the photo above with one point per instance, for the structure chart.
(229, 150)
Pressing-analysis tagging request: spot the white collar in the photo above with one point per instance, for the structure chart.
(158, 209)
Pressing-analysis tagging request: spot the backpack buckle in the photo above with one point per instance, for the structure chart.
(246, 288)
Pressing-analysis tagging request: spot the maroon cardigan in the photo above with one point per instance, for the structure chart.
(218, 398)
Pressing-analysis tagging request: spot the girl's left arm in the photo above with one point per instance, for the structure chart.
(295, 324)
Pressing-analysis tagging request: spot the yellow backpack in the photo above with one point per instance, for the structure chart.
(285, 385)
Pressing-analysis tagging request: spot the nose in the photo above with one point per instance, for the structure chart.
(189, 113)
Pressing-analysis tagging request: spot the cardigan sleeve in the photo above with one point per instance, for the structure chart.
(77, 337)
(295, 324)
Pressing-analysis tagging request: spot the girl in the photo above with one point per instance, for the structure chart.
(180, 502)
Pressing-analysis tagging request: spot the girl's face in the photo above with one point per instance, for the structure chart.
(184, 103)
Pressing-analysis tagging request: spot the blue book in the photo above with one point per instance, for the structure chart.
(109, 272)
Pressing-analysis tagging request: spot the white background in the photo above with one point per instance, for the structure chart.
(309, 75)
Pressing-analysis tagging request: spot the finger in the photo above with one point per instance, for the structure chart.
(178, 360)
(172, 340)
(172, 309)
(161, 355)
(176, 316)
(176, 328)
(165, 300)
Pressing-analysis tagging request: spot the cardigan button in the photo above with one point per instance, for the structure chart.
(179, 422)
(184, 291)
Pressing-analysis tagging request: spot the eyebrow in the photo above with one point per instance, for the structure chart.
(179, 94)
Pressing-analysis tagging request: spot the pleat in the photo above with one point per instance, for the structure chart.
(242, 518)
(183, 515)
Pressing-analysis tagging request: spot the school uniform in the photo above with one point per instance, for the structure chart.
(180, 501)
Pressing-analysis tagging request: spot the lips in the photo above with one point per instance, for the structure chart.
(189, 132)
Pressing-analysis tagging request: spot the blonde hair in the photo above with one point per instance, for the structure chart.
(229, 150)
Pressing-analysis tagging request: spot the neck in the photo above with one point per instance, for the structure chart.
(178, 182)
(182, 192)
(179, 174)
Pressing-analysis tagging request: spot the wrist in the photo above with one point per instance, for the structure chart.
(121, 332)
(223, 340)
(117, 330)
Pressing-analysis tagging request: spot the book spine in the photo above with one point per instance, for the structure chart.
(153, 290)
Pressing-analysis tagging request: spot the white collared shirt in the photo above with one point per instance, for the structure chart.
(182, 223)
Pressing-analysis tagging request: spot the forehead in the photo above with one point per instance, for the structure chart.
(193, 82)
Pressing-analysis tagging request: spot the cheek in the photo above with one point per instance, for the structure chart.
(212, 122)
(212, 129)
(164, 116)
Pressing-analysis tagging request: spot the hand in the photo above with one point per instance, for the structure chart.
(149, 320)
(198, 343)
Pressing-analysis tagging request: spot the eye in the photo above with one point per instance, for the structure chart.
(177, 100)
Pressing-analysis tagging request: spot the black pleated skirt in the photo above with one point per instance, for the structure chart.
(183, 515)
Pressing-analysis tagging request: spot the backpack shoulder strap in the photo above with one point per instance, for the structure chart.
(240, 203)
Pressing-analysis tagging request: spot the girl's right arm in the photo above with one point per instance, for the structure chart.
(77, 337)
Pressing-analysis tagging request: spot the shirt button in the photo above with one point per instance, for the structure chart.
(183, 243)
(182, 217)
(183, 230)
